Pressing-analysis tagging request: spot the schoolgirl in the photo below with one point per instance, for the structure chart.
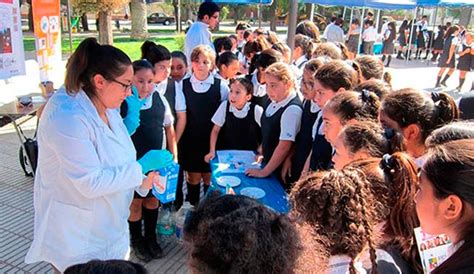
(281, 120)
(415, 115)
(438, 43)
(262, 62)
(154, 132)
(393, 180)
(339, 207)
(310, 113)
(236, 121)
(348, 107)
(228, 67)
(444, 201)
(331, 78)
(402, 39)
(388, 47)
(179, 66)
(203, 94)
(302, 52)
(447, 60)
(465, 62)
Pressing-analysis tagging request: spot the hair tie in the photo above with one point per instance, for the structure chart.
(435, 96)
(389, 133)
(365, 95)
(388, 163)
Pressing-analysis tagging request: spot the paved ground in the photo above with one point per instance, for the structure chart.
(16, 211)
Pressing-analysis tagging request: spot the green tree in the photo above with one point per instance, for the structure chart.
(104, 9)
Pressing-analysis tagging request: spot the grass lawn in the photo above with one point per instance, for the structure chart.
(129, 46)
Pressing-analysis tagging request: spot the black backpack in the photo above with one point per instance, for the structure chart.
(31, 147)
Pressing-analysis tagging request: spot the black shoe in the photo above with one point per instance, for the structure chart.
(154, 249)
(139, 248)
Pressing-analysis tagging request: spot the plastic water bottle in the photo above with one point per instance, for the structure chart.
(180, 218)
(165, 225)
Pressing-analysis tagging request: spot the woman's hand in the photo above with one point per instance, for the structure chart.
(258, 158)
(150, 180)
(258, 173)
(209, 156)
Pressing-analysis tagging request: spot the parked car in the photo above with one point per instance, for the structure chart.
(160, 18)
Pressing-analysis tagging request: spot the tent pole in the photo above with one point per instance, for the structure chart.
(259, 14)
(412, 27)
(344, 13)
(352, 14)
(292, 25)
(432, 35)
(69, 24)
(311, 17)
(377, 21)
(361, 30)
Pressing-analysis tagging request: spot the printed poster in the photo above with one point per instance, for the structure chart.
(12, 54)
(48, 36)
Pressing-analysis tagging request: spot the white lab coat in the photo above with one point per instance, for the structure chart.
(84, 184)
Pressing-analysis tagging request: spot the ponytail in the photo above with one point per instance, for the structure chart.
(154, 53)
(387, 78)
(447, 109)
(89, 59)
(401, 172)
(354, 105)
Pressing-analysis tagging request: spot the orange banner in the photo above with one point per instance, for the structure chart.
(47, 27)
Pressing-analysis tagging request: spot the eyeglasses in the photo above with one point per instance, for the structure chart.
(126, 87)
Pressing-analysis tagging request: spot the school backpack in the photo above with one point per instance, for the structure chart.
(31, 151)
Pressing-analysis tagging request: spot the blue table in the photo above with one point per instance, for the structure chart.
(275, 196)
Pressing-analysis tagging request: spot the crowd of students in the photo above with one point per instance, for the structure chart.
(345, 146)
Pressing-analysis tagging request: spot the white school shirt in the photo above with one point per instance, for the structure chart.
(369, 34)
(259, 90)
(220, 115)
(340, 264)
(179, 101)
(86, 175)
(198, 34)
(290, 122)
(225, 81)
(203, 86)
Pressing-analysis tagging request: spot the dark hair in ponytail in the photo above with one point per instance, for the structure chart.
(335, 75)
(410, 106)
(142, 64)
(306, 44)
(395, 189)
(371, 67)
(89, 59)
(450, 132)
(450, 169)
(368, 136)
(354, 105)
(379, 87)
(154, 53)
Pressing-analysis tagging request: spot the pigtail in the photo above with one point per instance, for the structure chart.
(401, 173)
(146, 49)
(447, 110)
(371, 103)
(310, 48)
(78, 64)
(387, 78)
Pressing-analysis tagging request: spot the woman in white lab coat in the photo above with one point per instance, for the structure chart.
(87, 170)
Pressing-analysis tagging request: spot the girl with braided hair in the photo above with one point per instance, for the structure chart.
(346, 108)
(393, 180)
(339, 206)
(415, 115)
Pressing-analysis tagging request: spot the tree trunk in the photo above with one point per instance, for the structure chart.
(31, 26)
(176, 10)
(465, 16)
(308, 10)
(272, 14)
(139, 23)
(85, 24)
(105, 28)
(237, 14)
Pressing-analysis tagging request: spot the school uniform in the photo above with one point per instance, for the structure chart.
(465, 61)
(438, 42)
(202, 100)
(451, 40)
(298, 66)
(223, 80)
(240, 129)
(388, 46)
(304, 139)
(321, 151)
(87, 171)
(259, 96)
(172, 91)
(280, 122)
